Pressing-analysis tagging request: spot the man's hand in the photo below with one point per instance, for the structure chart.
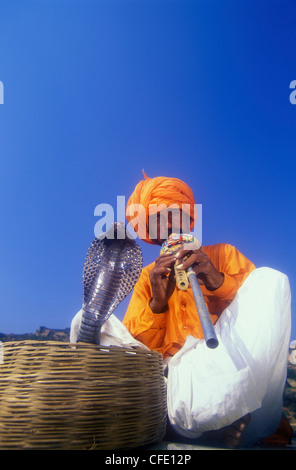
(162, 279)
(204, 269)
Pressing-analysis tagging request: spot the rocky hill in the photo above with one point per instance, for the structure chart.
(290, 397)
(42, 334)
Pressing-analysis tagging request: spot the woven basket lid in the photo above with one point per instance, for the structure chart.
(58, 395)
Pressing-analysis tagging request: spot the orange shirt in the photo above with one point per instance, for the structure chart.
(166, 332)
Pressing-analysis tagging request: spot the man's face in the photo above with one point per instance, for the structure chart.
(166, 222)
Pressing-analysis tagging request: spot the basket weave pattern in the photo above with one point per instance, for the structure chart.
(56, 395)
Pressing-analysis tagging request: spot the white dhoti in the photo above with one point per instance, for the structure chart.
(211, 388)
(113, 333)
(208, 389)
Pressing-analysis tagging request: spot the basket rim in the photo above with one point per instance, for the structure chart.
(79, 346)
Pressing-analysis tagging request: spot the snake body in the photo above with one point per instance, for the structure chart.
(111, 269)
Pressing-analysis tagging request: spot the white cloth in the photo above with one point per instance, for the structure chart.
(211, 388)
(208, 389)
(113, 333)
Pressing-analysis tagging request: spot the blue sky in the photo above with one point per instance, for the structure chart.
(95, 91)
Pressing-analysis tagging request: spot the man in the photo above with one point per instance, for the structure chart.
(232, 394)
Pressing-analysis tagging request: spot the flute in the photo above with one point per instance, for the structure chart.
(183, 278)
(204, 316)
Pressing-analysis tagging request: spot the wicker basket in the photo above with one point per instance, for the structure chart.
(56, 395)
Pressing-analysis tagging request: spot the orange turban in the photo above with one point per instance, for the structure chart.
(155, 191)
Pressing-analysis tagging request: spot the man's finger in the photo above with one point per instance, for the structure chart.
(161, 271)
(165, 260)
(187, 262)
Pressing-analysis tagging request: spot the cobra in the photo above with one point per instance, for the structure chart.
(112, 267)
